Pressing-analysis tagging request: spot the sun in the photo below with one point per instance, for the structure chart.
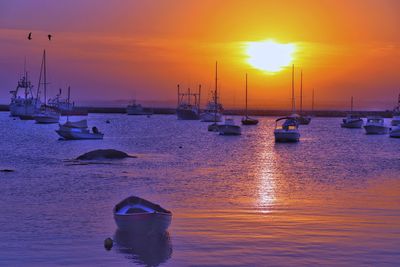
(269, 56)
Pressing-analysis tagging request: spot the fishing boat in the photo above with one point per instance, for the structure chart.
(136, 109)
(303, 119)
(396, 114)
(25, 104)
(66, 107)
(376, 125)
(137, 215)
(352, 121)
(288, 131)
(186, 110)
(229, 128)
(247, 120)
(47, 114)
(395, 132)
(214, 109)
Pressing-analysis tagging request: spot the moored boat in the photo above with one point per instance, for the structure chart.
(214, 109)
(247, 120)
(352, 121)
(395, 132)
(186, 110)
(229, 128)
(376, 125)
(396, 114)
(288, 131)
(136, 109)
(140, 216)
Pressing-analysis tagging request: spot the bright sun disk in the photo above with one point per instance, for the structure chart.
(269, 55)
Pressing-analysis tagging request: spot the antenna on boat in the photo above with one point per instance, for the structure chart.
(216, 92)
(179, 95)
(45, 79)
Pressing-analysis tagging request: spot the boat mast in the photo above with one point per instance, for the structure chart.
(301, 91)
(69, 95)
(293, 105)
(312, 102)
(246, 97)
(216, 92)
(40, 80)
(179, 95)
(45, 79)
(351, 107)
(198, 102)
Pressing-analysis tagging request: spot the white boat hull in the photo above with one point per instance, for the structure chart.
(282, 135)
(229, 130)
(77, 135)
(211, 117)
(27, 110)
(376, 129)
(143, 222)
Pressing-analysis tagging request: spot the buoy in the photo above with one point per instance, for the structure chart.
(180, 146)
(108, 243)
(107, 121)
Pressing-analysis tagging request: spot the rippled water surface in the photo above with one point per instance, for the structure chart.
(333, 199)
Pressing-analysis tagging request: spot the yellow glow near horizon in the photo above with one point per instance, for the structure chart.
(269, 55)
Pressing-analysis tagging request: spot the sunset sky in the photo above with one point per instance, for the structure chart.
(114, 51)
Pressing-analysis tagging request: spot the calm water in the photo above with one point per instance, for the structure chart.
(333, 199)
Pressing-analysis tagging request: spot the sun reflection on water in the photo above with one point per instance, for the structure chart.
(267, 182)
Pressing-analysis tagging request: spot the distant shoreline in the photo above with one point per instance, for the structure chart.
(259, 112)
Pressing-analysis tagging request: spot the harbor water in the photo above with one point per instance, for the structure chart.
(333, 199)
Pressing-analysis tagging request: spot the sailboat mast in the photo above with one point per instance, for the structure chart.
(312, 103)
(246, 97)
(301, 91)
(44, 78)
(216, 92)
(293, 105)
(69, 95)
(351, 108)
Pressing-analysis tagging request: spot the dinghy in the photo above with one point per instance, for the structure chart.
(139, 216)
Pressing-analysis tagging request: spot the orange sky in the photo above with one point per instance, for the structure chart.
(119, 50)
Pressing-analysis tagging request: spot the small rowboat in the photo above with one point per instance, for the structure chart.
(139, 216)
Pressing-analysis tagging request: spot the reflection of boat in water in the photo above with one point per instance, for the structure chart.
(147, 250)
(137, 215)
(136, 109)
(186, 110)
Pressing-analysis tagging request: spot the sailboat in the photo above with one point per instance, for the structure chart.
(47, 114)
(352, 121)
(77, 130)
(213, 111)
(247, 120)
(27, 105)
(289, 130)
(303, 120)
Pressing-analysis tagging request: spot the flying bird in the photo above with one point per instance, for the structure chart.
(49, 36)
(30, 36)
